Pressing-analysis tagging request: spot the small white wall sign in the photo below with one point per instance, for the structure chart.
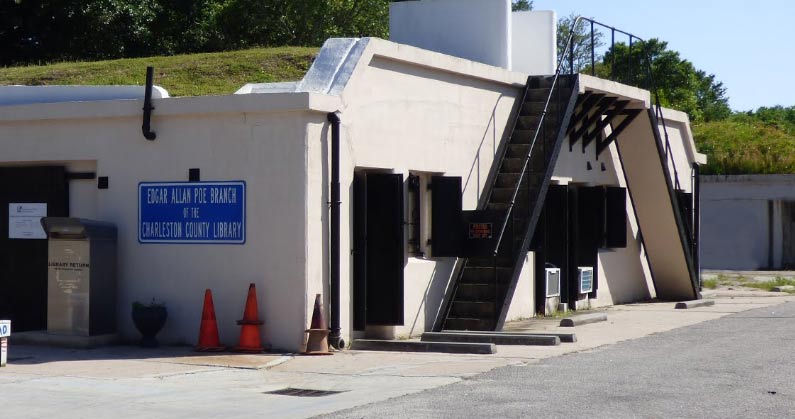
(24, 220)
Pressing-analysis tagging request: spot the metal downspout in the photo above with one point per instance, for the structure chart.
(334, 246)
(146, 128)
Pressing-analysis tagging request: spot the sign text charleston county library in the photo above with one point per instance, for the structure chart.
(192, 212)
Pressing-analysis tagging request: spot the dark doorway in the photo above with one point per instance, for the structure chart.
(552, 238)
(586, 223)
(788, 233)
(569, 234)
(378, 249)
(23, 261)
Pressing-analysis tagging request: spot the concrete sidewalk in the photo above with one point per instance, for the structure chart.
(175, 382)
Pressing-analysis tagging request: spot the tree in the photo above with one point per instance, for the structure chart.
(305, 22)
(521, 5)
(53, 30)
(73, 29)
(582, 45)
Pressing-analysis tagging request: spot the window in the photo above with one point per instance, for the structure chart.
(414, 216)
(418, 217)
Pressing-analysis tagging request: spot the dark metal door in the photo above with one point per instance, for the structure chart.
(378, 250)
(447, 231)
(23, 262)
(586, 228)
(788, 234)
(359, 251)
(552, 238)
(615, 217)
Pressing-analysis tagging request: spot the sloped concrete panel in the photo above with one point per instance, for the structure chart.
(646, 179)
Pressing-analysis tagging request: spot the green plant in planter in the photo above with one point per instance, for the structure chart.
(149, 319)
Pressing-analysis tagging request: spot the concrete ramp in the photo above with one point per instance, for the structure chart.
(650, 184)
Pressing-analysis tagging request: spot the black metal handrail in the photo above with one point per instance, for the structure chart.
(649, 74)
(569, 49)
(540, 125)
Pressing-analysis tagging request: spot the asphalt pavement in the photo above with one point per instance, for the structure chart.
(730, 359)
(737, 366)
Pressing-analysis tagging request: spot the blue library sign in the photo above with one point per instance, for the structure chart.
(192, 212)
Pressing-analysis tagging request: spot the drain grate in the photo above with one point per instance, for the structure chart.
(303, 392)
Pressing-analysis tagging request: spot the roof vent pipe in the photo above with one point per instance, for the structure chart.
(146, 128)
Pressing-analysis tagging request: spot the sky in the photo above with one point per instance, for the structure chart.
(747, 45)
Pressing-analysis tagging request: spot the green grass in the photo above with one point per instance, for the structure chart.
(741, 281)
(745, 147)
(182, 75)
(768, 285)
(739, 145)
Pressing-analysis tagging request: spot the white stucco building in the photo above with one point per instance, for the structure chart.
(417, 129)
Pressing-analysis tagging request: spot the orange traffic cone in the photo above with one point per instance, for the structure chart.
(249, 334)
(317, 338)
(208, 331)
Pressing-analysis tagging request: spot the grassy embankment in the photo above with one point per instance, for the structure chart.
(182, 75)
(739, 145)
(745, 146)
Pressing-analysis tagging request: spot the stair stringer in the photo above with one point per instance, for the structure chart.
(563, 124)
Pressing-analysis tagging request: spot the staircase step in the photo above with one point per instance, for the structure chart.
(524, 136)
(517, 150)
(473, 309)
(497, 339)
(504, 195)
(534, 111)
(485, 275)
(537, 108)
(512, 165)
(474, 292)
(520, 207)
(457, 323)
(528, 122)
(419, 346)
(532, 121)
(545, 82)
(511, 179)
(507, 180)
(488, 262)
(563, 336)
(536, 95)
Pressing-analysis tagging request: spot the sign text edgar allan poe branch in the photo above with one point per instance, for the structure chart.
(192, 212)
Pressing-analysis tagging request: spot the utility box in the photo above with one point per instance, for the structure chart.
(81, 276)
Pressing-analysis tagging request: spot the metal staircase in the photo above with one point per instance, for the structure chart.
(516, 193)
(551, 109)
